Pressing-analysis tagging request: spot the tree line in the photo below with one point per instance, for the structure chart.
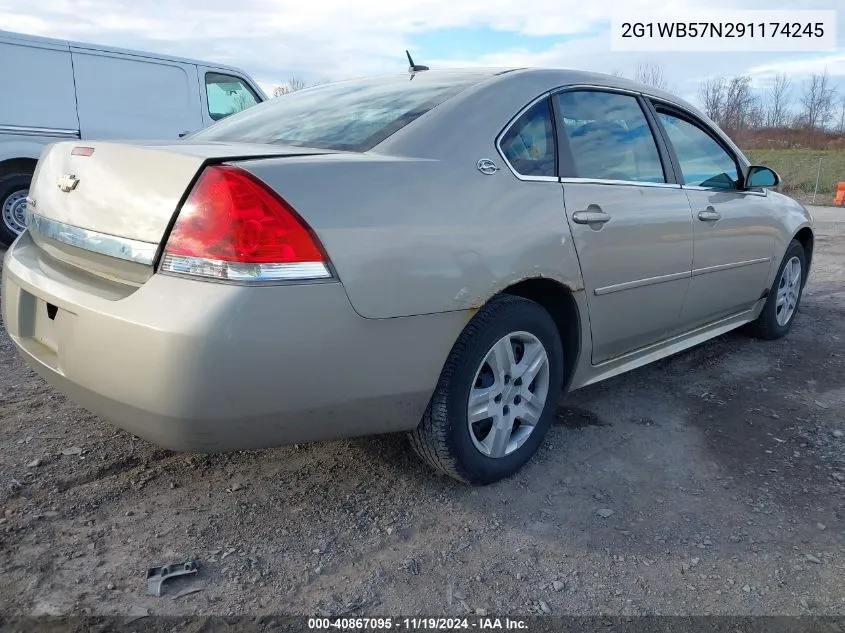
(293, 84)
(815, 105)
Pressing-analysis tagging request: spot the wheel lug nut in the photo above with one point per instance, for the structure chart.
(498, 398)
(517, 399)
(507, 378)
(506, 409)
(518, 382)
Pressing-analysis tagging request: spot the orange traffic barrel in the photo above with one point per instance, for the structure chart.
(839, 199)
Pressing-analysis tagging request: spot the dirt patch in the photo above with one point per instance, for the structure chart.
(711, 482)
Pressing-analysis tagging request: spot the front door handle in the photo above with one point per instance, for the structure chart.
(590, 217)
(709, 215)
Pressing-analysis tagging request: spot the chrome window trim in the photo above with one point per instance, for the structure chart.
(570, 88)
(25, 130)
(574, 87)
(534, 178)
(620, 183)
(507, 128)
(742, 192)
(603, 181)
(94, 241)
(639, 283)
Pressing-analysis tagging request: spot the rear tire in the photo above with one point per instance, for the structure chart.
(479, 366)
(14, 189)
(784, 298)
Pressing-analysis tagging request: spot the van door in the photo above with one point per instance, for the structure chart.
(128, 96)
(225, 93)
(39, 97)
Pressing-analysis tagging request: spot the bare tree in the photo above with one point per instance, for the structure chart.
(778, 100)
(293, 84)
(712, 95)
(651, 74)
(740, 104)
(841, 128)
(756, 116)
(818, 101)
(731, 103)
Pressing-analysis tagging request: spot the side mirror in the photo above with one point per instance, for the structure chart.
(759, 176)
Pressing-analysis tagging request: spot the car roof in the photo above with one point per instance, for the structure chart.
(504, 92)
(540, 80)
(550, 78)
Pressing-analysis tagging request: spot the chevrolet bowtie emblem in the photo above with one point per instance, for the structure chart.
(68, 182)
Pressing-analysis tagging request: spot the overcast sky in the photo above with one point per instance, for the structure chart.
(336, 39)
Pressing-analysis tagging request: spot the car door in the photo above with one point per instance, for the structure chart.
(734, 229)
(630, 220)
(224, 93)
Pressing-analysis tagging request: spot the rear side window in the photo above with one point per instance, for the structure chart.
(704, 162)
(609, 137)
(529, 144)
(352, 115)
(227, 95)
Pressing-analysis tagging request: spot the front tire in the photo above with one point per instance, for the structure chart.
(496, 395)
(14, 188)
(784, 296)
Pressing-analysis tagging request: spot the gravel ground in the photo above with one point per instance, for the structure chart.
(710, 482)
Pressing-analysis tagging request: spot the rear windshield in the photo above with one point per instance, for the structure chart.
(349, 116)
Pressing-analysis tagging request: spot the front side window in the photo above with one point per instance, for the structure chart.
(227, 95)
(529, 144)
(704, 162)
(609, 137)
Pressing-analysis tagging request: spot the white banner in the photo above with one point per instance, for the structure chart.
(710, 31)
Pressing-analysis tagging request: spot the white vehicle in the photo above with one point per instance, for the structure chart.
(66, 90)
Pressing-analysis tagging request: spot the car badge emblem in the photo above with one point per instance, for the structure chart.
(68, 182)
(487, 166)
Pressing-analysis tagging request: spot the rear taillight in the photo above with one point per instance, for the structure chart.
(233, 227)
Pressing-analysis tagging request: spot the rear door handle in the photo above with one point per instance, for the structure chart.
(709, 215)
(590, 217)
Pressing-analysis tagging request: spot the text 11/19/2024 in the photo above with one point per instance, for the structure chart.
(481, 623)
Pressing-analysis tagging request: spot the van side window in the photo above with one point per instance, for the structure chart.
(227, 95)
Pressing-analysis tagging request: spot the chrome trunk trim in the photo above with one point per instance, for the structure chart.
(94, 241)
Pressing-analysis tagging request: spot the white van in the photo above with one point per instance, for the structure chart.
(57, 89)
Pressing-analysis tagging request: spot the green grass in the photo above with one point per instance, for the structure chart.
(797, 169)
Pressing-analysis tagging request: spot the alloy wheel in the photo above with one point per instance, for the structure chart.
(789, 289)
(508, 394)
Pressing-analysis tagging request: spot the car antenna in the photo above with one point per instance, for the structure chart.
(414, 68)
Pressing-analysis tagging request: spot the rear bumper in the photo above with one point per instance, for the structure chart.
(201, 366)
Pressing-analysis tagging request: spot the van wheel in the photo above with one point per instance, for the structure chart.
(496, 396)
(14, 188)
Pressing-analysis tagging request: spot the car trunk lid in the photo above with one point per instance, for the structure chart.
(107, 207)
